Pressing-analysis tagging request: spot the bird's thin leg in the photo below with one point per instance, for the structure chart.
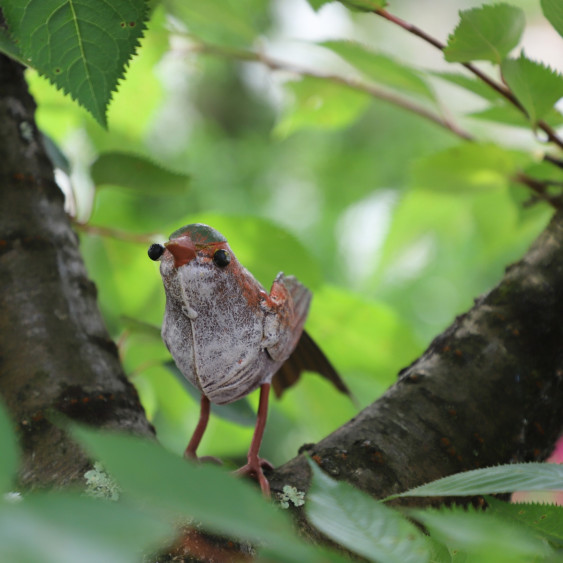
(254, 466)
(199, 429)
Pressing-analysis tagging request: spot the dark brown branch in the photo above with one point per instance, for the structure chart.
(540, 187)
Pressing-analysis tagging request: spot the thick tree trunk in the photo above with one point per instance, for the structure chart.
(487, 391)
(55, 353)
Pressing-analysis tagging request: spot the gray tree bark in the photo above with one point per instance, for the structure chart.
(55, 353)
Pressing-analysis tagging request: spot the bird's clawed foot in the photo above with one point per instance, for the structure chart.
(254, 469)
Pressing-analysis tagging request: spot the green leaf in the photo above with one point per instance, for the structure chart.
(318, 4)
(176, 488)
(320, 104)
(361, 524)
(81, 47)
(137, 173)
(492, 480)
(240, 412)
(381, 341)
(487, 33)
(545, 520)
(221, 22)
(469, 83)
(553, 11)
(10, 458)
(68, 528)
(364, 5)
(9, 47)
(380, 68)
(466, 167)
(480, 533)
(507, 114)
(537, 87)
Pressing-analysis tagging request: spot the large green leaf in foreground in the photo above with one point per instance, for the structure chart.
(81, 46)
(362, 524)
(491, 480)
(178, 491)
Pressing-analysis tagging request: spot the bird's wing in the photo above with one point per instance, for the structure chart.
(307, 356)
(287, 308)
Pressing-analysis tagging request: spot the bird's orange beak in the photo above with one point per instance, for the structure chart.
(183, 250)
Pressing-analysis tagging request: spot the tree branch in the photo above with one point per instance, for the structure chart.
(500, 88)
(380, 93)
(486, 391)
(350, 82)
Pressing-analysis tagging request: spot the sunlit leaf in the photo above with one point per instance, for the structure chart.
(544, 519)
(137, 173)
(361, 524)
(380, 342)
(471, 166)
(10, 457)
(239, 412)
(82, 48)
(553, 11)
(320, 104)
(537, 87)
(68, 528)
(480, 533)
(487, 33)
(498, 479)
(380, 68)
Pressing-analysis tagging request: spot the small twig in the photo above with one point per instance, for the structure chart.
(540, 189)
(350, 82)
(500, 88)
(113, 233)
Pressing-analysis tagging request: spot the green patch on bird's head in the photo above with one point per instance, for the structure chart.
(199, 233)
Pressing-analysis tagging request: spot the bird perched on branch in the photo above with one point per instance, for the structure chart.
(228, 335)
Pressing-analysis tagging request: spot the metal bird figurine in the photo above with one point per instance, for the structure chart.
(227, 335)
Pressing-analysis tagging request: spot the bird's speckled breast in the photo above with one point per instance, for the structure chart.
(213, 334)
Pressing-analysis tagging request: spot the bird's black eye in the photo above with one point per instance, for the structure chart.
(221, 258)
(155, 251)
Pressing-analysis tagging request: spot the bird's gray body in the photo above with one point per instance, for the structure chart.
(226, 334)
